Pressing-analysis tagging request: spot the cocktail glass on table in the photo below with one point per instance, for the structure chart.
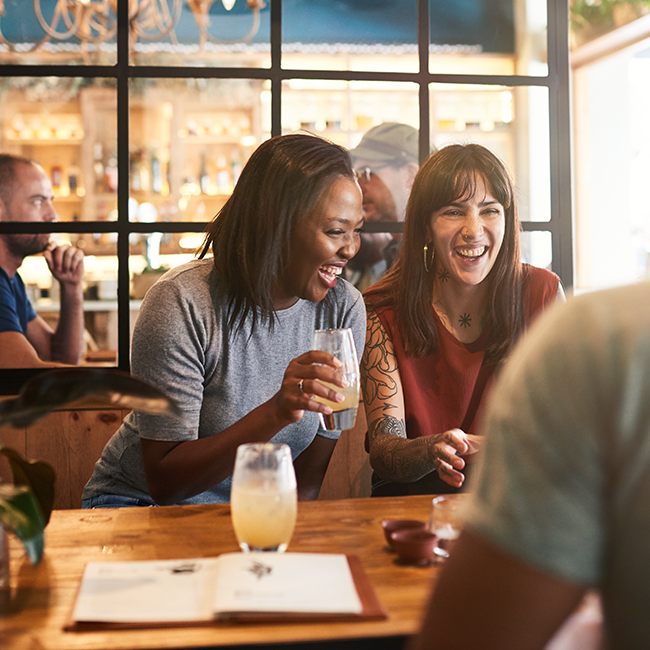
(340, 343)
(263, 499)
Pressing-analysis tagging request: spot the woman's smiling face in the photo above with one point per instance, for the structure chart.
(322, 244)
(467, 235)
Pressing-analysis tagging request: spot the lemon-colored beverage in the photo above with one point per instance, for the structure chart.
(345, 412)
(263, 518)
(350, 393)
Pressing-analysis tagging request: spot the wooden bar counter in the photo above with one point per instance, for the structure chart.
(39, 603)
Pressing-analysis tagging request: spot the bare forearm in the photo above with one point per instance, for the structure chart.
(399, 459)
(177, 471)
(67, 341)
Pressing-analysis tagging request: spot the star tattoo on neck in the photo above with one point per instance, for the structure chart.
(465, 320)
(443, 275)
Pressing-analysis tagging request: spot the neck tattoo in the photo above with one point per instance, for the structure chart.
(465, 320)
(443, 275)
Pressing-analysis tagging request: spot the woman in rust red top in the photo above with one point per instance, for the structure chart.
(443, 319)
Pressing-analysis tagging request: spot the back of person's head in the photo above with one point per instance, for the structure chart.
(389, 143)
(452, 174)
(8, 164)
(282, 183)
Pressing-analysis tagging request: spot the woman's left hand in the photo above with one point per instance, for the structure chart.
(447, 450)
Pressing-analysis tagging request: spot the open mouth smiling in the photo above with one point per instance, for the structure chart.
(329, 274)
(471, 253)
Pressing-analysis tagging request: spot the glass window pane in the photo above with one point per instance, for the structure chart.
(69, 127)
(99, 287)
(58, 31)
(612, 167)
(343, 111)
(537, 248)
(350, 35)
(512, 122)
(216, 33)
(189, 139)
(488, 37)
(152, 255)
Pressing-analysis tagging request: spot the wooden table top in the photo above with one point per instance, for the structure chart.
(41, 597)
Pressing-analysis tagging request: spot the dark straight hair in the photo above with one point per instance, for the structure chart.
(251, 237)
(452, 174)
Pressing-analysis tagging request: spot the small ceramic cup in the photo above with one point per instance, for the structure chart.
(391, 525)
(414, 546)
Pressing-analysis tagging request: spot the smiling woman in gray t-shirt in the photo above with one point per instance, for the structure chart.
(228, 338)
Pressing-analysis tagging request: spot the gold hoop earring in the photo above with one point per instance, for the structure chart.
(427, 267)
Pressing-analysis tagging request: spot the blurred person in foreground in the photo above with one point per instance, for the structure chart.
(443, 320)
(560, 497)
(26, 340)
(385, 163)
(229, 337)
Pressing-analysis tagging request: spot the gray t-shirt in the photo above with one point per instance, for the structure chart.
(564, 483)
(182, 345)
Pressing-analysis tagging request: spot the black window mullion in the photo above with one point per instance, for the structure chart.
(423, 83)
(123, 230)
(276, 67)
(560, 127)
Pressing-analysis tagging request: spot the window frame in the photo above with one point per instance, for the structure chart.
(557, 81)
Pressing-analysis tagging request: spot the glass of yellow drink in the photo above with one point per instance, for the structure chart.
(263, 499)
(340, 343)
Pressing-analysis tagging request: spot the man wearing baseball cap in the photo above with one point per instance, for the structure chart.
(385, 163)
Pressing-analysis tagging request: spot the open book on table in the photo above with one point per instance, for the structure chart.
(248, 586)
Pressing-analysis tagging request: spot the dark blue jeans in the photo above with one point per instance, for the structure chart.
(114, 501)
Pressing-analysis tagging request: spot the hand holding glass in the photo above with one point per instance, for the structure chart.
(340, 344)
(263, 499)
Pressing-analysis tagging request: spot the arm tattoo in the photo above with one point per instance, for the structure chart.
(387, 424)
(377, 365)
(395, 458)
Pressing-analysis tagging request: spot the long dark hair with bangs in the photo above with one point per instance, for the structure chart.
(451, 174)
(250, 238)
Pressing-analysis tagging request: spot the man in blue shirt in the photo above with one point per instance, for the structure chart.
(26, 340)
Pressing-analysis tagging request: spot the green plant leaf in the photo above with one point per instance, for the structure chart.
(36, 476)
(57, 388)
(20, 513)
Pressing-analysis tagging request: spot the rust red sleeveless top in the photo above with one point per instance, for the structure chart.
(446, 389)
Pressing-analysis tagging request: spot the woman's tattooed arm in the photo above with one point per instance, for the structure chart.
(392, 455)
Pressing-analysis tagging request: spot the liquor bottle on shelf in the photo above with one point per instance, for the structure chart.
(204, 177)
(98, 167)
(134, 168)
(56, 174)
(156, 171)
(73, 180)
(145, 176)
(110, 173)
(224, 180)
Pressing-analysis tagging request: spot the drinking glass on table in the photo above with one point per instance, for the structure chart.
(446, 521)
(263, 498)
(339, 343)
